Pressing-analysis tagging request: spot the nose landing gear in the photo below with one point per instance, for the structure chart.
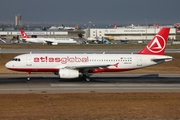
(28, 76)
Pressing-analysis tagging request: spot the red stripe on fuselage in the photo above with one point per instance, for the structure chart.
(35, 69)
(110, 70)
(56, 70)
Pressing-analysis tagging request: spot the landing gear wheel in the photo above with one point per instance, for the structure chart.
(87, 79)
(85, 76)
(28, 79)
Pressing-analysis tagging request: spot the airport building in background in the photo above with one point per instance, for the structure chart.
(130, 32)
(17, 21)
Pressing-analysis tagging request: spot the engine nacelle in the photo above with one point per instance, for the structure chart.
(68, 73)
(54, 43)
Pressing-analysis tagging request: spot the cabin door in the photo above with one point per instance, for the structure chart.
(139, 61)
(29, 60)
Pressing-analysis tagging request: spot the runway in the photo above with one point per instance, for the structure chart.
(103, 83)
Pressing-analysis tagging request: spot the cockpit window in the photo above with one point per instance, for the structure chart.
(16, 59)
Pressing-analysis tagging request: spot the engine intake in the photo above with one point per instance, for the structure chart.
(68, 73)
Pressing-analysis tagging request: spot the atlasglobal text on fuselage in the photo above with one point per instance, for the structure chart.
(62, 60)
(70, 66)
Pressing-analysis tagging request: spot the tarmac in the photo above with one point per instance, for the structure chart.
(101, 83)
(105, 83)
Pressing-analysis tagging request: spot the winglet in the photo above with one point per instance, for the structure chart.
(158, 44)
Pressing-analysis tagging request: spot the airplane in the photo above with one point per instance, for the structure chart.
(68, 66)
(50, 41)
(131, 26)
(62, 27)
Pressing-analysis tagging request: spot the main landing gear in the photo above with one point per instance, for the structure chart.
(86, 77)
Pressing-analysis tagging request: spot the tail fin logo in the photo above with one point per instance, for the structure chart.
(115, 26)
(157, 45)
(24, 35)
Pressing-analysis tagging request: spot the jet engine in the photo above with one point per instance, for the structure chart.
(68, 73)
(54, 43)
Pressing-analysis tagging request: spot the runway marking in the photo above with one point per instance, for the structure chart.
(114, 85)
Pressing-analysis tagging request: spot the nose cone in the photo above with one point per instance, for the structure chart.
(8, 65)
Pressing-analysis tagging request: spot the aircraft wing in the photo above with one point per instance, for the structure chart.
(90, 67)
(2, 40)
(48, 41)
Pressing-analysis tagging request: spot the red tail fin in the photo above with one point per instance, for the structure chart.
(158, 44)
(23, 34)
(115, 26)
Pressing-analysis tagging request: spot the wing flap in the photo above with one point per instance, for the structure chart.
(88, 66)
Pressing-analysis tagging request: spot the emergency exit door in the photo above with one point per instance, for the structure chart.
(139, 61)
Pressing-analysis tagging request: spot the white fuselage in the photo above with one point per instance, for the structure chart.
(55, 62)
(50, 40)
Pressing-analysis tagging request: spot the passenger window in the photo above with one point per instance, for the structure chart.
(13, 59)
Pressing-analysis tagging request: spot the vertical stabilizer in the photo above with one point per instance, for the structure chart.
(23, 34)
(157, 45)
